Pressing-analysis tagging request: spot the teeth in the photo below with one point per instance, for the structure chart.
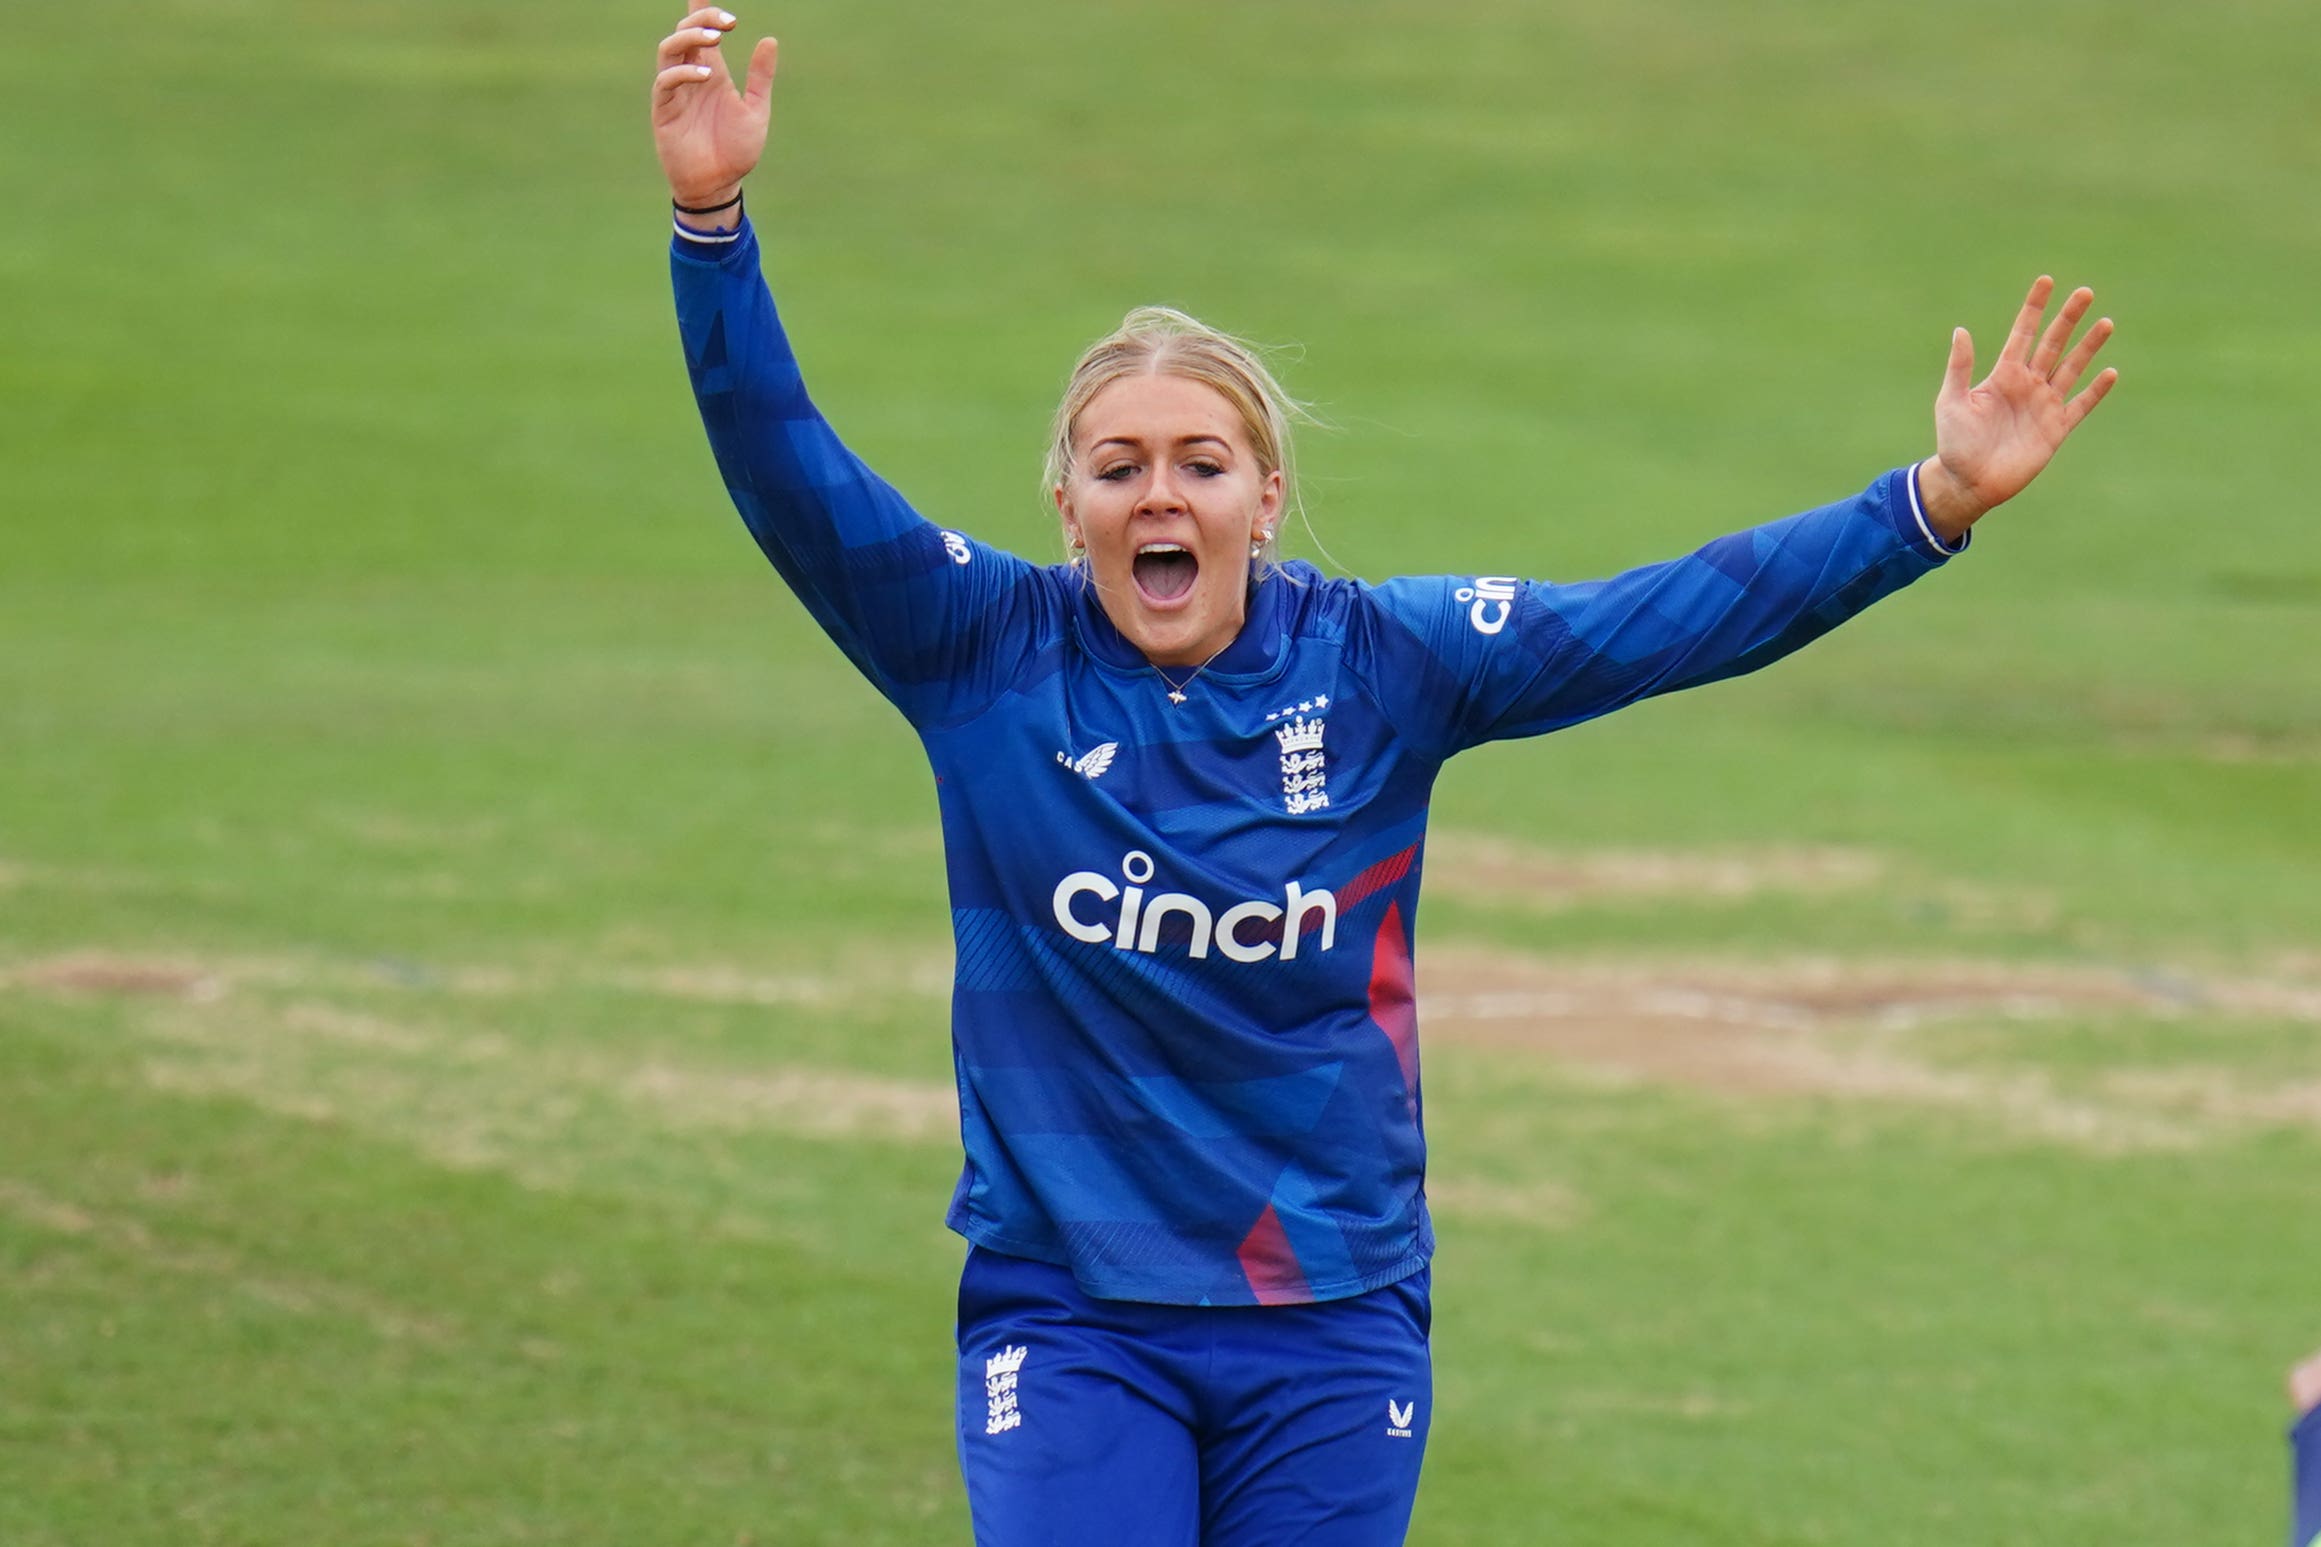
(1163, 548)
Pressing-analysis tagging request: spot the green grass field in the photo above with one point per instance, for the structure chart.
(472, 1060)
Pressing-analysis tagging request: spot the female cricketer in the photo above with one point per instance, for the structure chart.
(1183, 789)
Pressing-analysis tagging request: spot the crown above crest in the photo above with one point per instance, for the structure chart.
(1300, 734)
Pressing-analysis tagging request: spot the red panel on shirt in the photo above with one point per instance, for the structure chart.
(1393, 1005)
(1270, 1265)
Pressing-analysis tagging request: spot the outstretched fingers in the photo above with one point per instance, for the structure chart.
(2059, 332)
(1958, 374)
(2026, 328)
(762, 60)
(2046, 359)
(2075, 363)
(2084, 404)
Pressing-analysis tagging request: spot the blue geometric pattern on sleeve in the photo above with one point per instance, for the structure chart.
(1184, 1018)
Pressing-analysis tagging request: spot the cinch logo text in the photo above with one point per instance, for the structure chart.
(1243, 932)
(1493, 598)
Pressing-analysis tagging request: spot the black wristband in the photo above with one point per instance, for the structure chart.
(705, 209)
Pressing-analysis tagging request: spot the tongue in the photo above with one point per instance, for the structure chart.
(1166, 576)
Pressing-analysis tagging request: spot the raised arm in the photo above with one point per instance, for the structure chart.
(937, 622)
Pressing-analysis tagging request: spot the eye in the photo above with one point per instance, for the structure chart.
(1208, 469)
(1116, 472)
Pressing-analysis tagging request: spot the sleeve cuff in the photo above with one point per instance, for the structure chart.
(1916, 526)
(706, 244)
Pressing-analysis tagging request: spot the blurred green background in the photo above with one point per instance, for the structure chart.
(472, 1062)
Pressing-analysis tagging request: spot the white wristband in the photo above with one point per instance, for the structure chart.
(705, 238)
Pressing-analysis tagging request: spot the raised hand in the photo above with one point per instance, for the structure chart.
(1992, 440)
(709, 134)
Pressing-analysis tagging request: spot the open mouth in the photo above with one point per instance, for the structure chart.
(1164, 572)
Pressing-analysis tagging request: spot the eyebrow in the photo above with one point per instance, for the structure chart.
(1182, 440)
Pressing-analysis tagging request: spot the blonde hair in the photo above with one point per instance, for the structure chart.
(1162, 341)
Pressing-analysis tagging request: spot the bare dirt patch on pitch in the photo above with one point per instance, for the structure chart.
(479, 1099)
(2219, 1095)
(1486, 869)
(1539, 1204)
(1846, 1030)
(817, 1103)
(98, 974)
(278, 1031)
(920, 978)
(1480, 869)
(841, 986)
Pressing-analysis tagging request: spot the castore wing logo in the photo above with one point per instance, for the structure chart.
(1090, 765)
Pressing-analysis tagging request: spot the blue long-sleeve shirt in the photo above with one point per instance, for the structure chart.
(1183, 1018)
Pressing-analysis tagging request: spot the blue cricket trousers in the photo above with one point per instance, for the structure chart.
(1113, 1423)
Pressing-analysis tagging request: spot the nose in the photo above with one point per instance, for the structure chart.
(1160, 495)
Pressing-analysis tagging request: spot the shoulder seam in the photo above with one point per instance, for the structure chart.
(1361, 597)
(1044, 637)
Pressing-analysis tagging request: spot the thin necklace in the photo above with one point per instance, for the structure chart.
(1177, 689)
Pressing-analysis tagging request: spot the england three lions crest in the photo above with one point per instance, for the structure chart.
(1305, 772)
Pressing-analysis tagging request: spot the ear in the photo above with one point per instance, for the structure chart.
(1269, 501)
(1064, 510)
